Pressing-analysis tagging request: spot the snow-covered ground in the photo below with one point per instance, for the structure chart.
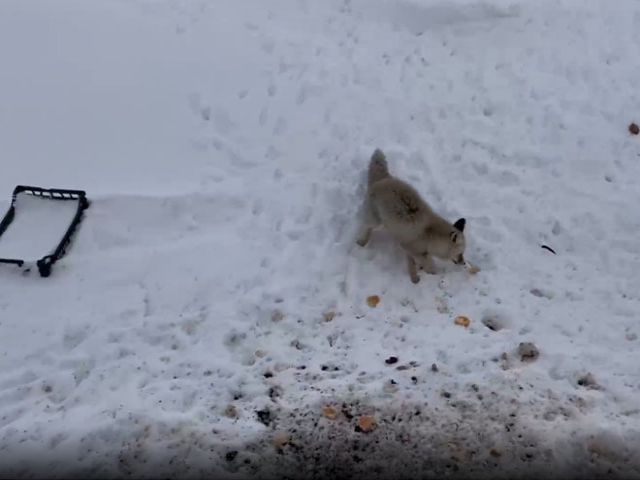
(223, 145)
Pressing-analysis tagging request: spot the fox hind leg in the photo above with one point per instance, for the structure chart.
(370, 222)
(413, 269)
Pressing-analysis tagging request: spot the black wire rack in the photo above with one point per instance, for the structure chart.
(46, 262)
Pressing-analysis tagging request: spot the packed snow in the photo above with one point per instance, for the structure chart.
(210, 317)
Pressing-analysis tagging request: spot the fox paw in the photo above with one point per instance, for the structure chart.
(430, 271)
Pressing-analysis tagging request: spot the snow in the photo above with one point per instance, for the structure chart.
(37, 227)
(223, 146)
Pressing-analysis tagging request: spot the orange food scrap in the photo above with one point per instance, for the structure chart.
(373, 301)
(366, 423)
(281, 439)
(330, 412)
(462, 321)
(328, 316)
(231, 411)
(473, 269)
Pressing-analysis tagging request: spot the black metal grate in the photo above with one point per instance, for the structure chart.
(46, 262)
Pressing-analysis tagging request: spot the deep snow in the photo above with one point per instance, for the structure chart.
(224, 145)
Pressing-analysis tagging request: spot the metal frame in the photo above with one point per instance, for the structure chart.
(46, 262)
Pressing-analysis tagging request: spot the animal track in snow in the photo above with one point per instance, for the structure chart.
(280, 127)
(74, 337)
(264, 113)
(494, 321)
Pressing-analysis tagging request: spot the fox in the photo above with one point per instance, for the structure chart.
(396, 206)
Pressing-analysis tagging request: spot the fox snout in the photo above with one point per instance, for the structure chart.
(459, 260)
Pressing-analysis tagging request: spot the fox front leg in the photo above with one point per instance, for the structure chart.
(364, 235)
(427, 264)
(413, 269)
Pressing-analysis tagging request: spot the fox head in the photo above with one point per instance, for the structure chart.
(458, 243)
(448, 243)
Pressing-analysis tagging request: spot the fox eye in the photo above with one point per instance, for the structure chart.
(454, 237)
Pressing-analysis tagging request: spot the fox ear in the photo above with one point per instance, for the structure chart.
(460, 223)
